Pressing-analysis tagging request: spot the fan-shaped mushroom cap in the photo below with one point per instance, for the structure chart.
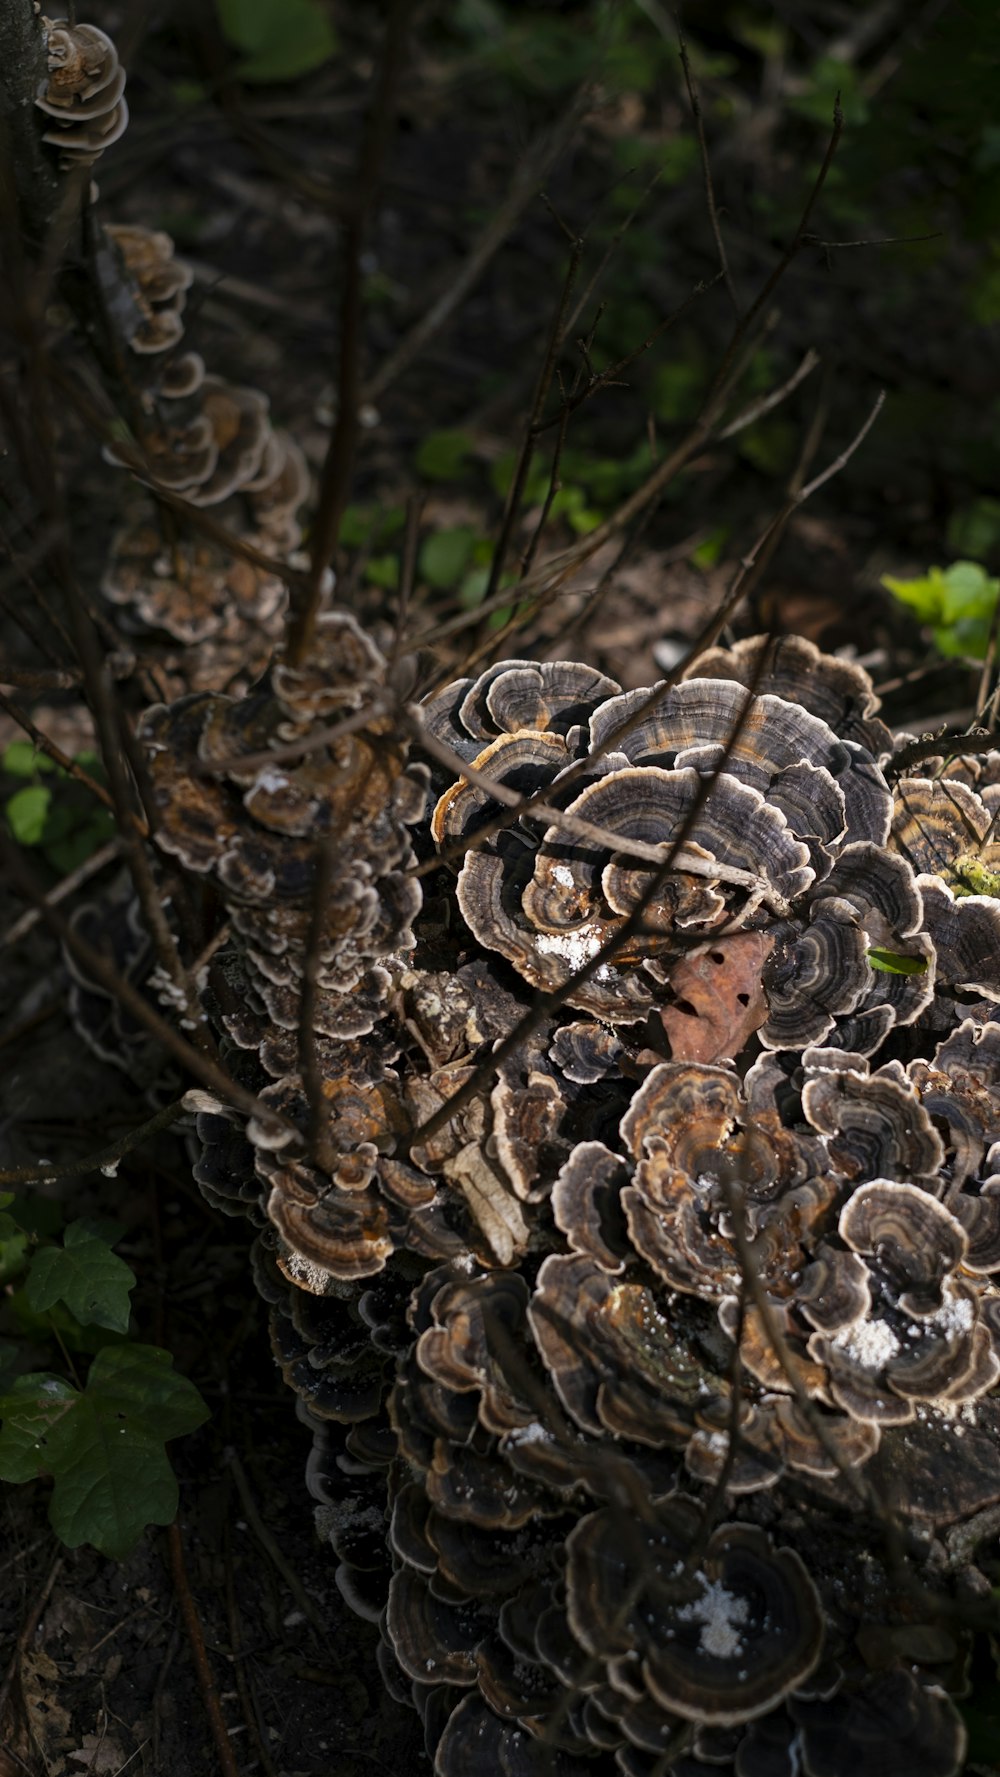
(703, 720)
(890, 1726)
(960, 1087)
(616, 1363)
(585, 1052)
(940, 827)
(910, 1233)
(182, 376)
(923, 1340)
(838, 691)
(522, 694)
(159, 284)
(966, 934)
(586, 1204)
(875, 1126)
(721, 1644)
(190, 589)
(697, 1116)
(82, 91)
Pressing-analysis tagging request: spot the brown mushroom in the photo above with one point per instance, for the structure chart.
(81, 92)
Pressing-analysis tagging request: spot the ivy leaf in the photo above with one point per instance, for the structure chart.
(890, 962)
(104, 1446)
(84, 1273)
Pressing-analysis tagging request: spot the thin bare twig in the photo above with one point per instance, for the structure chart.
(335, 476)
(199, 1653)
(43, 744)
(757, 409)
(298, 748)
(536, 163)
(68, 885)
(713, 215)
(202, 1066)
(554, 343)
(748, 573)
(105, 1160)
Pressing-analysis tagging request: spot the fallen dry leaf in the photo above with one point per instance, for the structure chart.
(719, 998)
(100, 1754)
(49, 1721)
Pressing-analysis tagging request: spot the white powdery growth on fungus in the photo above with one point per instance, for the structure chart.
(721, 1616)
(871, 1344)
(575, 948)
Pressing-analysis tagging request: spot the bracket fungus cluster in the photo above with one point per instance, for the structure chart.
(219, 613)
(625, 1165)
(205, 614)
(81, 93)
(626, 1372)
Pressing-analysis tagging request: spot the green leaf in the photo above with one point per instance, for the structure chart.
(959, 601)
(21, 759)
(923, 595)
(709, 550)
(281, 38)
(104, 1447)
(442, 455)
(27, 812)
(968, 592)
(891, 962)
(445, 556)
(86, 1275)
(383, 571)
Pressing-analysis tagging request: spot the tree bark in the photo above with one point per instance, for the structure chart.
(29, 182)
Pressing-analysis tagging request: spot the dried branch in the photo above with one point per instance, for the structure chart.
(631, 926)
(201, 1065)
(199, 1652)
(536, 163)
(105, 854)
(104, 1160)
(43, 744)
(335, 477)
(713, 215)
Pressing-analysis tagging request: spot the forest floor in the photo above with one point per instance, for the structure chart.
(96, 1662)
